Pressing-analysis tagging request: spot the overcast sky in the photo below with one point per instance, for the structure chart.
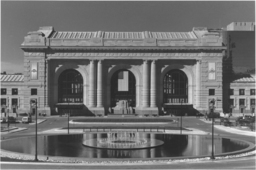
(18, 18)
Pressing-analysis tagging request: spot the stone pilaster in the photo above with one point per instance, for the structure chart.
(145, 97)
(99, 84)
(153, 84)
(92, 84)
(46, 80)
(198, 83)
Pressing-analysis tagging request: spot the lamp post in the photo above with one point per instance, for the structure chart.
(212, 116)
(181, 120)
(34, 105)
(8, 123)
(68, 117)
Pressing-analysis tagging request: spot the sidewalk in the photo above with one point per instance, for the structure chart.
(17, 129)
(38, 121)
(13, 130)
(74, 131)
(231, 129)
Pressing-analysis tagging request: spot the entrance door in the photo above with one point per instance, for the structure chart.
(123, 89)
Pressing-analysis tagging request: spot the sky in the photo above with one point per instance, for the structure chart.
(20, 17)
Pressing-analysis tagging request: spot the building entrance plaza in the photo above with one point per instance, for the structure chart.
(102, 73)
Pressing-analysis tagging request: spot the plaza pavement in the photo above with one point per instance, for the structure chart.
(193, 128)
(188, 131)
(233, 130)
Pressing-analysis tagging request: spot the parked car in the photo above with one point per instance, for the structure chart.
(245, 120)
(11, 119)
(26, 119)
(23, 114)
(3, 119)
(214, 115)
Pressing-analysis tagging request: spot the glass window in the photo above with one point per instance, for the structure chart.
(175, 87)
(231, 91)
(252, 102)
(3, 102)
(252, 91)
(14, 91)
(211, 92)
(33, 91)
(3, 91)
(14, 102)
(242, 110)
(70, 87)
(241, 91)
(231, 102)
(241, 102)
(123, 87)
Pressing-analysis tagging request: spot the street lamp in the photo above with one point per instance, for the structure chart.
(212, 115)
(181, 119)
(68, 117)
(8, 123)
(33, 103)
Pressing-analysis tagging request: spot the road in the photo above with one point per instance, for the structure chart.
(55, 122)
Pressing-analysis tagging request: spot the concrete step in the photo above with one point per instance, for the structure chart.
(120, 115)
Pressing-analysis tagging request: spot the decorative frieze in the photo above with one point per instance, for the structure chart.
(197, 56)
(33, 54)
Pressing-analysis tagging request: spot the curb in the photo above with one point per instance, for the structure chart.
(38, 121)
(231, 130)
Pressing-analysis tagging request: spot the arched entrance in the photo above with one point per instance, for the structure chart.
(175, 92)
(70, 92)
(123, 92)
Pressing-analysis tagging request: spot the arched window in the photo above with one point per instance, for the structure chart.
(70, 87)
(175, 87)
(123, 87)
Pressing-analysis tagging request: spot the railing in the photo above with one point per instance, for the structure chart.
(158, 129)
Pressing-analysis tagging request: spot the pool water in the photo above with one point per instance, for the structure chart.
(157, 145)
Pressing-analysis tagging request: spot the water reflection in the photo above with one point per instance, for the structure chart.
(122, 140)
(72, 146)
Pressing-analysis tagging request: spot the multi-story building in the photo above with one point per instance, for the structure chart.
(239, 68)
(242, 96)
(91, 73)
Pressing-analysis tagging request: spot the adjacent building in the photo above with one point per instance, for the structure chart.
(239, 68)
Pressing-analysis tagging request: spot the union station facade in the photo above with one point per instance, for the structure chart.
(101, 73)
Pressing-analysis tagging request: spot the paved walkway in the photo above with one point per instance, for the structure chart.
(231, 129)
(16, 129)
(74, 131)
(13, 130)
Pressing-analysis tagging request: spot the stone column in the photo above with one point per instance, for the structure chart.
(152, 143)
(153, 84)
(198, 82)
(99, 84)
(92, 84)
(137, 94)
(145, 89)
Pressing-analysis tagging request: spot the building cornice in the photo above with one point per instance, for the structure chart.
(197, 56)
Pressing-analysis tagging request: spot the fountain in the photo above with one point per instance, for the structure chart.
(123, 140)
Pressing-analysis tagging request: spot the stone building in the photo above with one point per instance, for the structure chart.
(88, 73)
(242, 96)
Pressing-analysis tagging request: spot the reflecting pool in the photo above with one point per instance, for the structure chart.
(123, 145)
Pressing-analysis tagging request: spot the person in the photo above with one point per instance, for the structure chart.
(198, 115)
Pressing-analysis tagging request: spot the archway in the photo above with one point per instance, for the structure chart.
(70, 92)
(123, 88)
(175, 92)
